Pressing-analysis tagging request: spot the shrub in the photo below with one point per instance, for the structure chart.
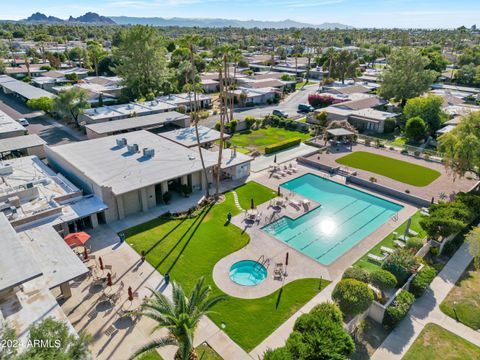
(42, 103)
(414, 243)
(356, 273)
(421, 281)
(282, 145)
(383, 279)
(320, 101)
(373, 179)
(353, 296)
(217, 126)
(401, 263)
(416, 129)
(398, 309)
(231, 126)
(249, 121)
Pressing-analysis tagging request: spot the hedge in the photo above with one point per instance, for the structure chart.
(282, 145)
(357, 274)
(422, 280)
(398, 309)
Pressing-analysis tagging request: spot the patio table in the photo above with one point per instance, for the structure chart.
(111, 291)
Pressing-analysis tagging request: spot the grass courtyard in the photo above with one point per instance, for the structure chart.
(190, 247)
(464, 299)
(434, 342)
(403, 171)
(365, 263)
(258, 139)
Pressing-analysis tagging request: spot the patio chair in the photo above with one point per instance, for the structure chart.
(387, 250)
(376, 258)
(403, 238)
(399, 243)
(108, 267)
(424, 213)
(412, 232)
(295, 203)
(276, 176)
(110, 330)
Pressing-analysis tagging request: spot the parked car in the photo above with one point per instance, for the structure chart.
(280, 113)
(23, 122)
(305, 108)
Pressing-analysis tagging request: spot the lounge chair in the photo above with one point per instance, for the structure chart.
(387, 250)
(424, 213)
(376, 258)
(425, 209)
(412, 232)
(281, 173)
(276, 176)
(403, 238)
(294, 203)
(399, 243)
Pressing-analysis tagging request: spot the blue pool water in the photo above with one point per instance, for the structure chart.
(248, 272)
(345, 217)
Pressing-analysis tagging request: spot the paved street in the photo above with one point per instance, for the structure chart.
(48, 129)
(289, 105)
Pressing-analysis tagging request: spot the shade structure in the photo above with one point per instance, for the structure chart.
(252, 204)
(279, 193)
(130, 293)
(100, 260)
(85, 254)
(286, 259)
(275, 159)
(109, 279)
(77, 239)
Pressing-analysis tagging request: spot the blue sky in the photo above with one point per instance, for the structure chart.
(359, 13)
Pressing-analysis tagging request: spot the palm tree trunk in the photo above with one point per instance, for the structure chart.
(195, 122)
(222, 130)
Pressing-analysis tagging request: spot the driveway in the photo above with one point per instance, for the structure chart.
(50, 130)
(289, 105)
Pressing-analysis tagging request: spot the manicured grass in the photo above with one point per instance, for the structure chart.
(403, 171)
(365, 263)
(189, 248)
(434, 342)
(258, 139)
(205, 352)
(300, 84)
(152, 355)
(466, 294)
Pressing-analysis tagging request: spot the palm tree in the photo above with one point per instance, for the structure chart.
(297, 34)
(189, 41)
(180, 315)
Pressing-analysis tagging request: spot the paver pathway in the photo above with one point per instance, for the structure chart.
(426, 310)
(235, 199)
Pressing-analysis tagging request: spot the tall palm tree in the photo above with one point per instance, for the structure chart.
(180, 315)
(189, 41)
(297, 34)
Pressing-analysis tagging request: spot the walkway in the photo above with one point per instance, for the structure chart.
(426, 310)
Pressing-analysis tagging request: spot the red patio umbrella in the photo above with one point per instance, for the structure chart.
(286, 259)
(101, 262)
(76, 239)
(85, 254)
(109, 279)
(130, 293)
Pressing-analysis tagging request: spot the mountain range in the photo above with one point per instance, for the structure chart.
(220, 23)
(88, 18)
(94, 18)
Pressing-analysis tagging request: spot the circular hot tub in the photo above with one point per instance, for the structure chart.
(248, 273)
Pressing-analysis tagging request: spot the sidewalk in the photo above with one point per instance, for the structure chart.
(426, 310)
(77, 135)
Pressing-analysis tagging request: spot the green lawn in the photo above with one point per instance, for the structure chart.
(369, 265)
(434, 342)
(466, 295)
(399, 170)
(258, 139)
(152, 355)
(300, 84)
(205, 352)
(189, 248)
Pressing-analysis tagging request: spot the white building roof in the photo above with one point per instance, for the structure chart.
(20, 142)
(8, 125)
(107, 164)
(16, 263)
(139, 122)
(23, 89)
(230, 158)
(188, 136)
(373, 114)
(56, 260)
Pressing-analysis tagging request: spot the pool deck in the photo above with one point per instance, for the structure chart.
(300, 265)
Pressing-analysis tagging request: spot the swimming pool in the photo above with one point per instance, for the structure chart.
(248, 273)
(345, 217)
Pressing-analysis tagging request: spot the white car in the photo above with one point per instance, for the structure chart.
(23, 122)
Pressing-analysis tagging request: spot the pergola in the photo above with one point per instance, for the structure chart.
(341, 132)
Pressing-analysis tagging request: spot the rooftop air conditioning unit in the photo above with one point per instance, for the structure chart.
(129, 106)
(6, 169)
(133, 148)
(121, 142)
(148, 152)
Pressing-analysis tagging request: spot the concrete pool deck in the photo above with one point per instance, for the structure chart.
(300, 265)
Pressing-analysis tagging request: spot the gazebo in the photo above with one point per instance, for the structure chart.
(340, 133)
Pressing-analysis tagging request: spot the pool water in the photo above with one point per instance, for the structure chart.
(345, 217)
(248, 273)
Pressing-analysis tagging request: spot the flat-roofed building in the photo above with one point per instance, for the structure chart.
(32, 194)
(19, 146)
(188, 136)
(9, 127)
(147, 122)
(131, 172)
(21, 89)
